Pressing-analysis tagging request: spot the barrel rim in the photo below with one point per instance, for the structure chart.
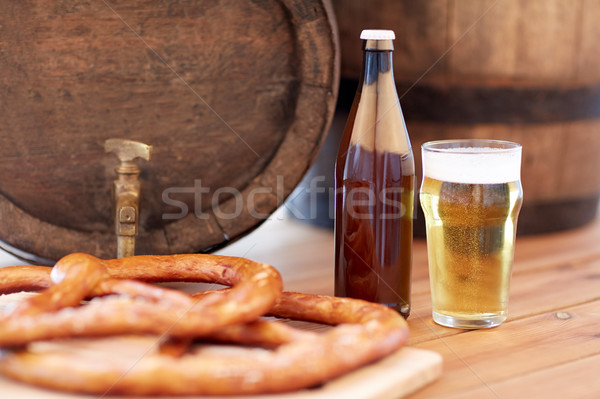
(306, 133)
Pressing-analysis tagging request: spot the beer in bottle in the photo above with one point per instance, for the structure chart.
(375, 187)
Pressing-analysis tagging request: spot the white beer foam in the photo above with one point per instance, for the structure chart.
(473, 165)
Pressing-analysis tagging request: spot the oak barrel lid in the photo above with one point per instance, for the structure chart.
(234, 97)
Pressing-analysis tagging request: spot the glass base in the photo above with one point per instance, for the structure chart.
(466, 322)
(403, 309)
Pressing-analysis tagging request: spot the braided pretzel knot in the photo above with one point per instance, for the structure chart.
(295, 358)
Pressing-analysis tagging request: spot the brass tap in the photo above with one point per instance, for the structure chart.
(127, 191)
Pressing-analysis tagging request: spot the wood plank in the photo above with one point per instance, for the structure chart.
(420, 29)
(531, 293)
(546, 38)
(482, 357)
(491, 35)
(588, 60)
(514, 39)
(546, 250)
(573, 380)
(555, 288)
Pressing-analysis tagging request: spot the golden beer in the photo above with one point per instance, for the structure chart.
(471, 207)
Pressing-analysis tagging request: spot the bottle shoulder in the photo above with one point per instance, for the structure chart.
(361, 164)
(377, 123)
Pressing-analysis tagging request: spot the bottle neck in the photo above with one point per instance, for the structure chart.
(375, 64)
(377, 124)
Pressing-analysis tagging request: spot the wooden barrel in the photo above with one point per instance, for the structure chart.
(525, 71)
(234, 96)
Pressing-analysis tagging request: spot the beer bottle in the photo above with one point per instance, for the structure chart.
(374, 176)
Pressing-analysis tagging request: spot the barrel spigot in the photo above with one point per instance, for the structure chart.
(127, 191)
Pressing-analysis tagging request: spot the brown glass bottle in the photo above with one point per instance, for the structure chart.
(375, 188)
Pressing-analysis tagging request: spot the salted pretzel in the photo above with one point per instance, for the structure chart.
(295, 358)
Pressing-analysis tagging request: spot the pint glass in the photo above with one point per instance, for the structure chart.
(471, 196)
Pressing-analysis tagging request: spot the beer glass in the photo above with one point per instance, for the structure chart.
(471, 196)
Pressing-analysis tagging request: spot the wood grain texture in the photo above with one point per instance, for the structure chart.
(552, 287)
(490, 41)
(549, 348)
(536, 353)
(577, 379)
(230, 94)
(514, 40)
(517, 349)
(420, 29)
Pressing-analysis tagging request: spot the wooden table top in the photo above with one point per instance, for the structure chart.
(548, 348)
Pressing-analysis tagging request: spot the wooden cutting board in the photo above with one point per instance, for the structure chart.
(395, 376)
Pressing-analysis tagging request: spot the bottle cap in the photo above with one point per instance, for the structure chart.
(377, 34)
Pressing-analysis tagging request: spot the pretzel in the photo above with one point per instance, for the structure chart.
(294, 358)
(75, 277)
